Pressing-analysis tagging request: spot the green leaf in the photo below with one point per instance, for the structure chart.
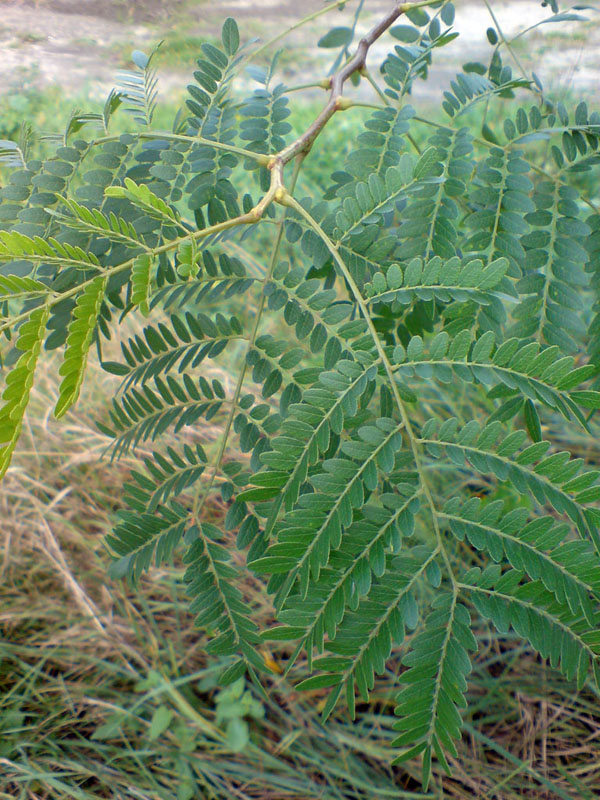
(137, 88)
(141, 281)
(336, 37)
(145, 199)
(405, 33)
(318, 682)
(537, 546)
(17, 245)
(418, 16)
(81, 332)
(12, 285)
(488, 134)
(19, 382)
(435, 684)
(532, 421)
(230, 36)
(140, 59)
(161, 719)
(533, 613)
(238, 734)
(427, 164)
(355, 384)
(111, 729)
(587, 399)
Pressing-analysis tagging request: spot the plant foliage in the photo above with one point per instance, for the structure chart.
(424, 324)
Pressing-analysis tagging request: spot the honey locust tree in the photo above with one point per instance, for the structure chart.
(402, 335)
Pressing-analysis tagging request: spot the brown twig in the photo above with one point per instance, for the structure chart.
(336, 101)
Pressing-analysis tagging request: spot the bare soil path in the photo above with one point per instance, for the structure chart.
(80, 44)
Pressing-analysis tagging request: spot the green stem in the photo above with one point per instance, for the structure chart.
(408, 6)
(509, 145)
(361, 104)
(270, 42)
(505, 41)
(366, 73)
(324, 84)
(179, 137)
(200, 499)
(333, 249)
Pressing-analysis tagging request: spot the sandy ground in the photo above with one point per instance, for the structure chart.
(75, 43)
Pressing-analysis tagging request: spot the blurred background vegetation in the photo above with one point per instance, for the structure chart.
(106, 692)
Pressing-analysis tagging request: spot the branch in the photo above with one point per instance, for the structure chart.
(254, 215)
(336, 100)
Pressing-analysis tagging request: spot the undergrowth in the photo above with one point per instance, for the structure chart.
(340, 435)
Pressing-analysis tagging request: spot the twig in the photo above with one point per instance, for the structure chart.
(336, 101)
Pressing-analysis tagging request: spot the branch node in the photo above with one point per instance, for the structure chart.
(254, 215)
(282, 196)
(343, 103)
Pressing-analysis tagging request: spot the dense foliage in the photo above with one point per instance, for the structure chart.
(400, 344)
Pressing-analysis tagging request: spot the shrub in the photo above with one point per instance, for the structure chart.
(399, 343)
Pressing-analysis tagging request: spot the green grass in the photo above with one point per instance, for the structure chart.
(178, 52)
